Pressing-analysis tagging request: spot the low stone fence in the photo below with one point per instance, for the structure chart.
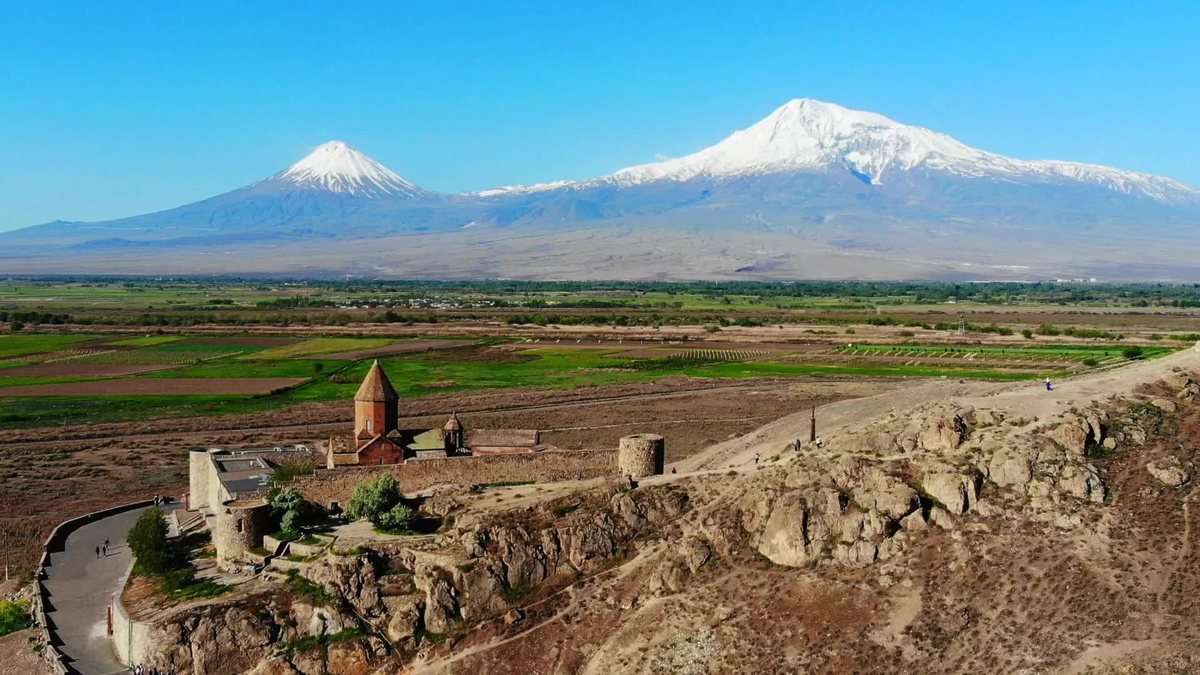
(129, 637)
(337, 485)
(54, 543)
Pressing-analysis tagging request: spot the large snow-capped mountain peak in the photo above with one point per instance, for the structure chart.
(337, 167)
(809, 135)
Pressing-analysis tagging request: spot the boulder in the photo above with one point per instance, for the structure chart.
(349, 577)
(944, 433)
(1170, 471)
(955, 492)
(914, 522)
(404, 618)
(784, 539)
(1012, 467)
(1165, 405)
(695, 553)
(1071, 435)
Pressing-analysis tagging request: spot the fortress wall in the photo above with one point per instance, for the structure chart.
(337, 485)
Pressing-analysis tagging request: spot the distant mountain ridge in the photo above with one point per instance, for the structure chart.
(812, 190)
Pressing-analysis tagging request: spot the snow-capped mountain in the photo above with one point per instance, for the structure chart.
(809, 135)
(337, 167)
(814, 190)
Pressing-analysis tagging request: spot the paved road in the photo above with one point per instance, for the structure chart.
(81, 587)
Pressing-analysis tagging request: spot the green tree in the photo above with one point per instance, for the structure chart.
(372, 499)
(148, 541)
(292, 509)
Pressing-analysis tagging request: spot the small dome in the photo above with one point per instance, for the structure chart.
(453, 424)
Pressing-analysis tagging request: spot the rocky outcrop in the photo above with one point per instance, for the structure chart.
(253, 636)
(848, 512)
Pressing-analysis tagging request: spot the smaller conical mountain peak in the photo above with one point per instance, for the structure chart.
(337, 167)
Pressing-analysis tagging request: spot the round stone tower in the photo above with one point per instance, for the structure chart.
(240, 526)
(641, 455)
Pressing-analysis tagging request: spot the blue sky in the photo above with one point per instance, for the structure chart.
(110, 109)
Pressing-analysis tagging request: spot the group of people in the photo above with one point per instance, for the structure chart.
(143, 670)
(102, 550)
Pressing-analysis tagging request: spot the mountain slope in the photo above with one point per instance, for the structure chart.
(812, 190)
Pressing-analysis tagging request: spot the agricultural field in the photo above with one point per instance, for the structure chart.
(103, 381)
(52, 378)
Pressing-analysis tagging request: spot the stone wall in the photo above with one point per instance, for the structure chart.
(130, 638)
(337, 485)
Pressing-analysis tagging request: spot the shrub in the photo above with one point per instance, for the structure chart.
(148, 541)
(292, 509)
(14, 616)
(1027, 334)
(372, 499)
(1132, 352)
(396, 519)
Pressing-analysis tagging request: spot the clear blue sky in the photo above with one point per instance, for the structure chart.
(110, 109)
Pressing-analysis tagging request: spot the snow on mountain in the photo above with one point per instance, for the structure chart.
(337, 167)
(811, 135)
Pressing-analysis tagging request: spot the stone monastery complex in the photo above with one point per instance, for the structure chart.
(227, 488)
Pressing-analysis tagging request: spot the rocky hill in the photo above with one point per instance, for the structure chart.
(962, 527)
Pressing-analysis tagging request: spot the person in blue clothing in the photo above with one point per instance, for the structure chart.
(1049, 385)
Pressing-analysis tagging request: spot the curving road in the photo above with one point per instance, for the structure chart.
(81, 586)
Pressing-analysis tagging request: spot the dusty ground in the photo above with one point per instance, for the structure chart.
(18, 655)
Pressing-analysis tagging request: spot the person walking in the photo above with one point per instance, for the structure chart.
(97, 551)
(104, 549)
(1049, 385)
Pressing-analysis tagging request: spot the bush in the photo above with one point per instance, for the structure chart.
(148, 541)
(1027, 334)
(14, 616)
(292, 509)
(1132, 352)
(396, 520)
(372, 499)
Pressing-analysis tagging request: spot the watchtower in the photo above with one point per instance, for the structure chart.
(641, 455)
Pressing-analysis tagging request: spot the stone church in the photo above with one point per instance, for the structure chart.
(377, 438)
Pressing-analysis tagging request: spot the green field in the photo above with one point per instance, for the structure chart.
(315, 346)
(481, 365)
(132, 323)
(20, 345)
